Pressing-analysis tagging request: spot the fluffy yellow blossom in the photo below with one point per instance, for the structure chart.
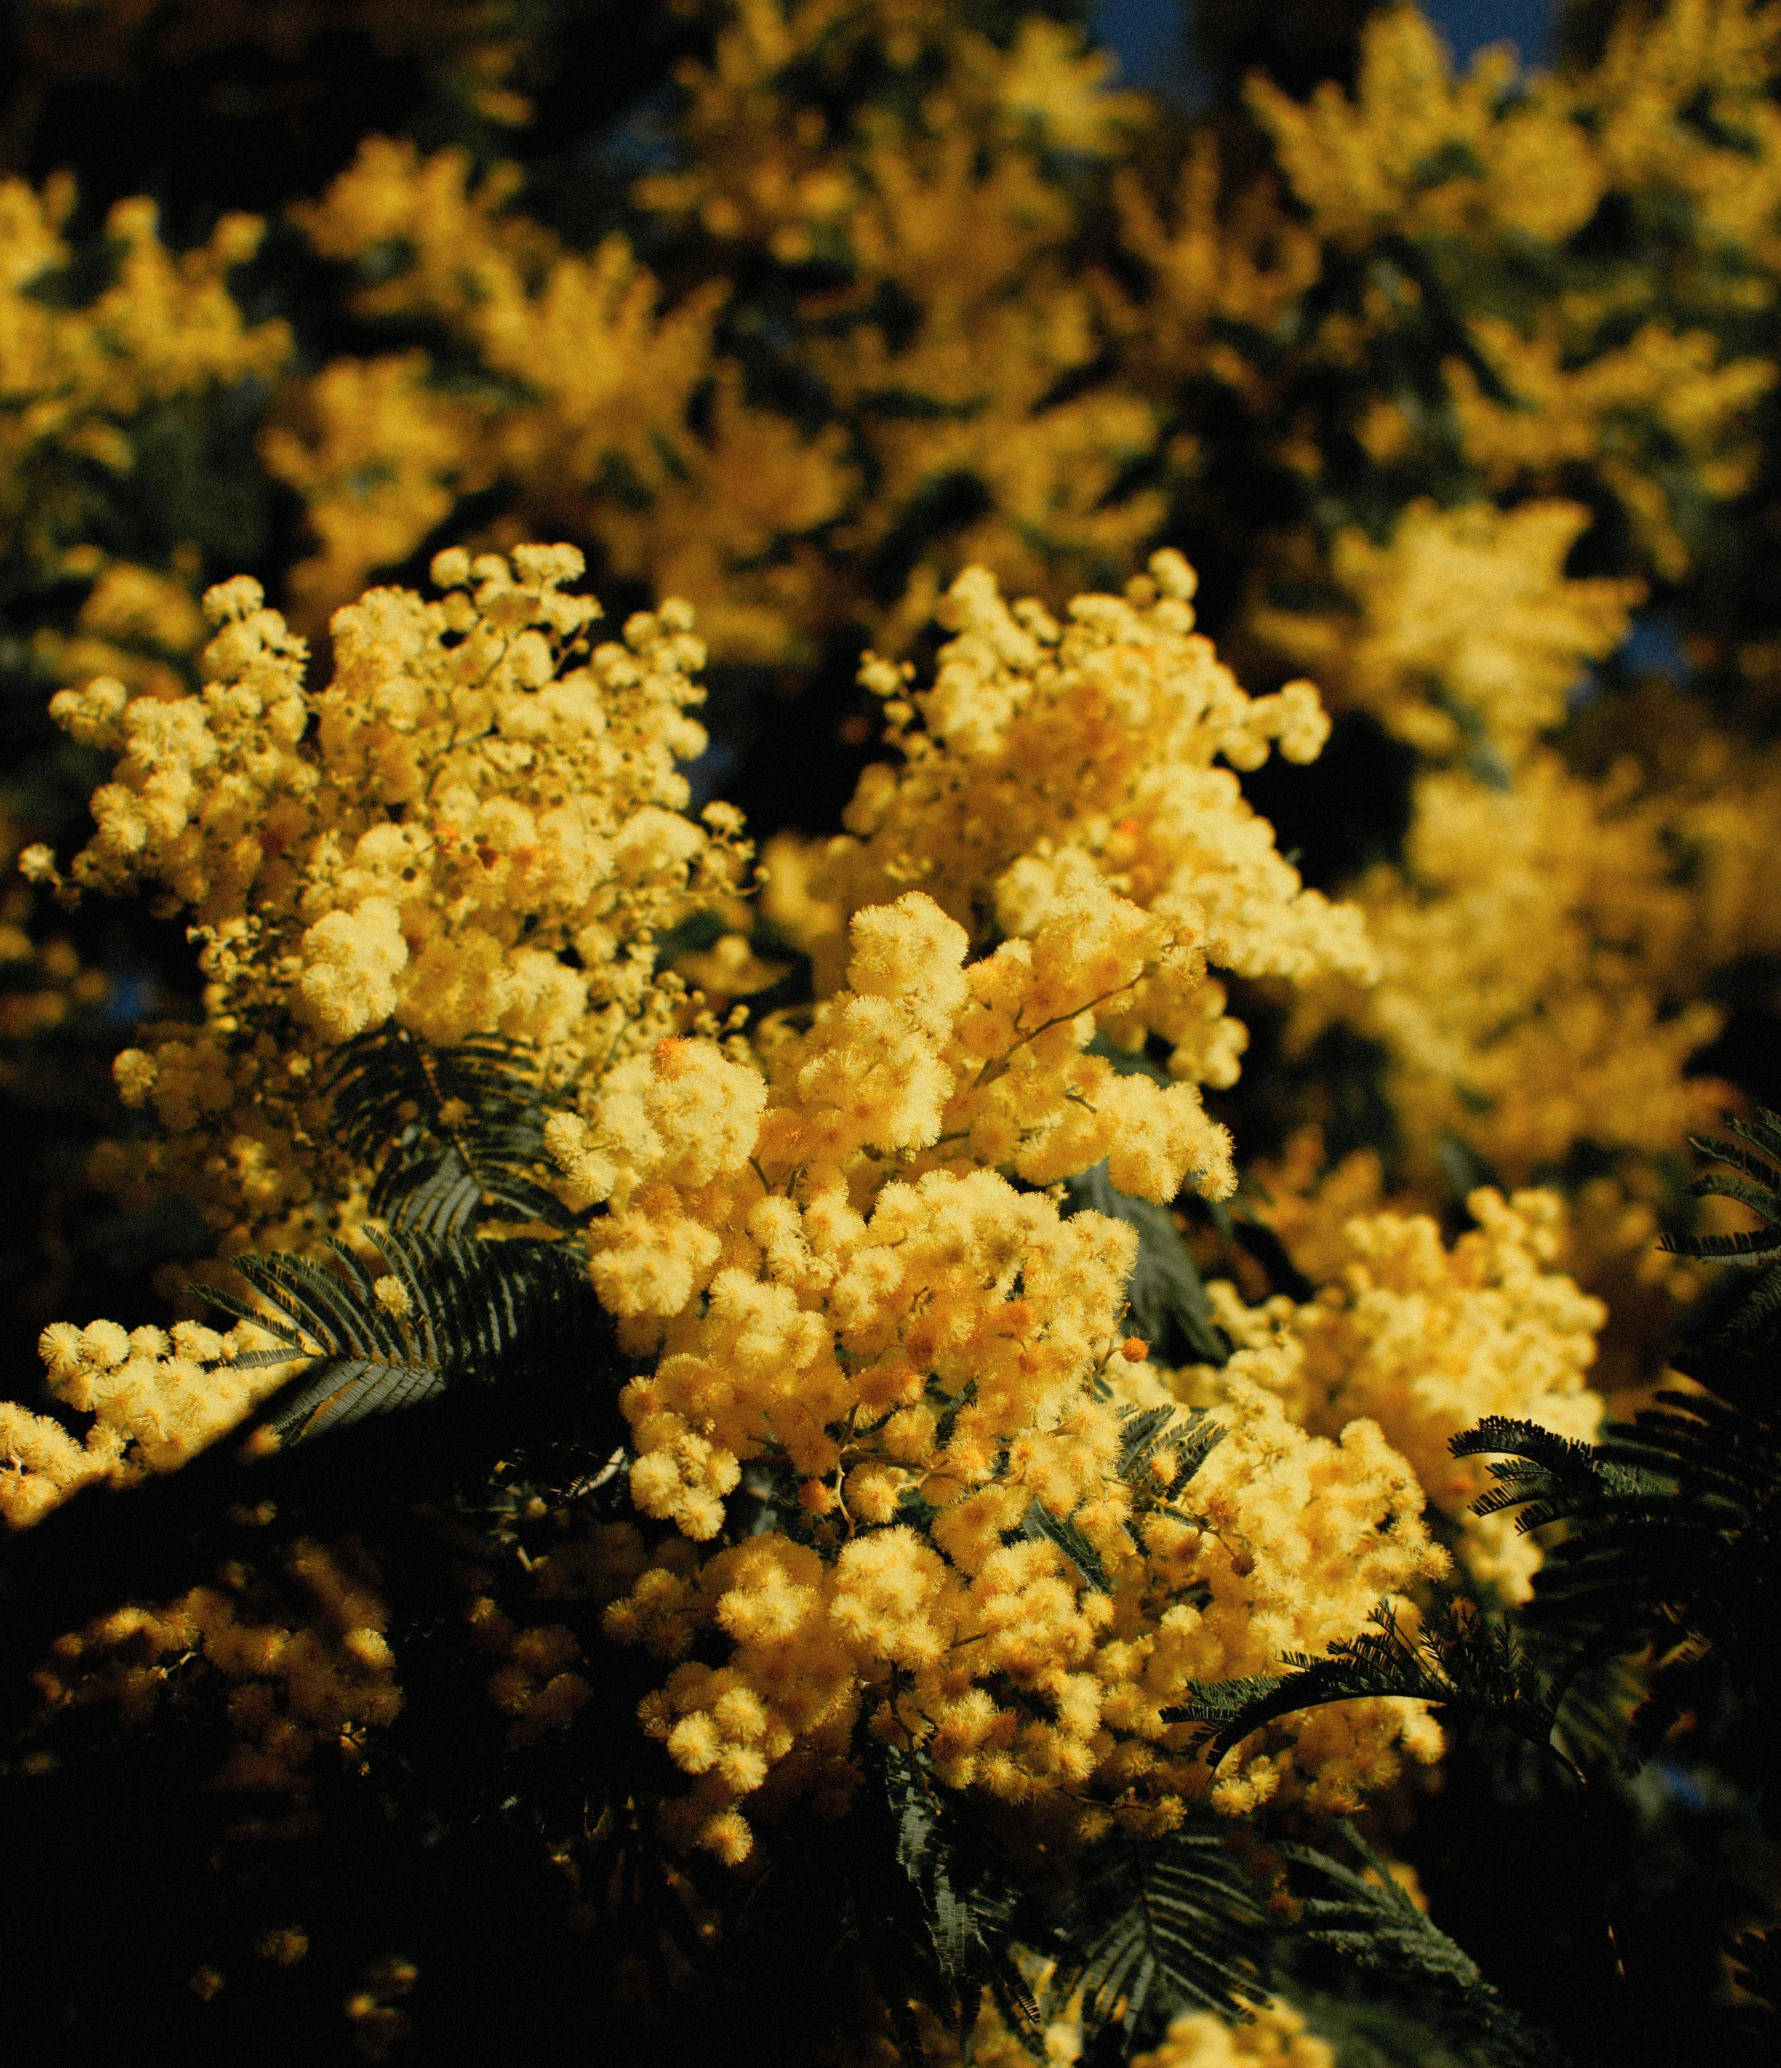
(1425, 1341)
(326, 1676)
(1681, 101)
(1504, 161)
(1064, 775)
(156, 1399)
(1275, 2037)
(533, 1681)
(136, 625)
(1209, 267)
(1525, 952)
(475, 828)
(1469, 632)
(382, 449)
(1013, 1675)
(1661, 381)
(165, 325)
(1676, 118)
(955, 216)
(379, 456)
(943, 1350)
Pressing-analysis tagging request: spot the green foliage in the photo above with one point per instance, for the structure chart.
(1458, 1658)
(472, 1314)
(1168, 1303)
(969, 1896)
(452, 1133)
(1151, 1438)
(1156, 1927)
(1370, 1921)
(1755, 1157)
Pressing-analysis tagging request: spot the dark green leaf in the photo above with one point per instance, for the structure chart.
(1167, 1301)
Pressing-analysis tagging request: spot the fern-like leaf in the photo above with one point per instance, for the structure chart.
(1157, 1927)
(1674, 1525)
(450, 1132)
(1041, 1525)
(1154, 1436)
(1167, 1301)
(1755, 1155)
(1459, 1660)
(1160, 1451)
(468, 1313)
(1368, 1918)
(969, 1898)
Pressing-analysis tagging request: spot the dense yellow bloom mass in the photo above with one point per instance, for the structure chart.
(583, 403)
(77, 376)
(329, 1675)
(164, 326)
(1524, 954)
(839, 1282)
(155, 1399)
(381, 449)
(1511, 162)
(1468, 632)
(910, 322)
(1274, 2038)
(996, 1657)
(475, 828)
(1062, 776)
(1627, 380)
(1426, 1341)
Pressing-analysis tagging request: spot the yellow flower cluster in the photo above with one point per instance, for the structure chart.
(1525, 951)
(75, 378)
(475, 828)
(533, 1683)
(994, 1656)
(381, 449)
(1663, 390)
(329, 1676)
(45, 978)
(1272, 2036)
(815, 1239)
(953, 215)
(165, 325)
(1275, 2037)
(811, 1233)
(1425, 1341)
(137, 625)
(1600, 378)
(1214, 266)
(155, 1398)
(1062, 776)
(581, 408)
(1469, 633)
(1501, 160)
(1681, 103)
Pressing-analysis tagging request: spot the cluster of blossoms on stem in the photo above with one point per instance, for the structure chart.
(1051, 764)
(833, 1247)
(156, 1398)
(475, 828)
(1472, 601)
(837, 1245)
(306, 1662)
(1424, 1340)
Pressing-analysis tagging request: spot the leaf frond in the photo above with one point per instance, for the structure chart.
(1366, 1916)
(1459, 1660)
(451, 1132)
(1166, 1299)
(1157, 1927)
(471, 1313)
